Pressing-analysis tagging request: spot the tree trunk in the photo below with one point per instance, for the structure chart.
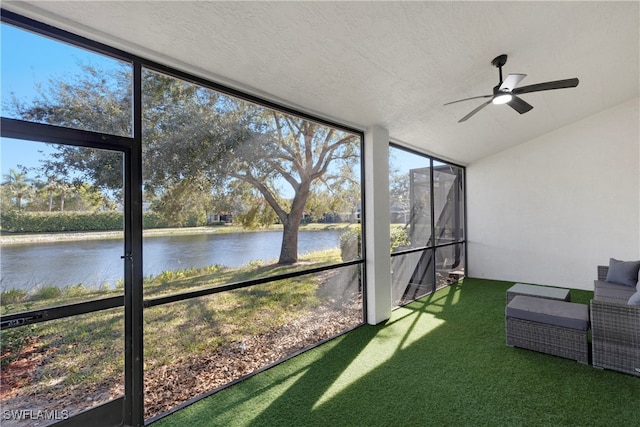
(289, 248)
(291, 226)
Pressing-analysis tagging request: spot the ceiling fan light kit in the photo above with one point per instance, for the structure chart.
(506, 91)
(502, 98)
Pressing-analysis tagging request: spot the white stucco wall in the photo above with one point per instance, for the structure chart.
(549, 210)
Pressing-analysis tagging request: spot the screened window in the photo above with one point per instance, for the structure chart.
(62, 238)
(237, 194)
(427, 224)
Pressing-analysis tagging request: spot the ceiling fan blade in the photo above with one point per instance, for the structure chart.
(468, 99)
(474, 111)
(511, 82)
(520, 105)
(558, 84)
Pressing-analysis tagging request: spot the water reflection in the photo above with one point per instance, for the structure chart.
(97, 262)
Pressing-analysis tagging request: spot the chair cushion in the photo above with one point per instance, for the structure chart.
(600, 284)
(548, 311)
(623, 272)
(635, 299)
(613, 291)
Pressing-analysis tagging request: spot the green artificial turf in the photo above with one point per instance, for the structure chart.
(439, 361)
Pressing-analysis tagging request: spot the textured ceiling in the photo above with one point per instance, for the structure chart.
(392, 64)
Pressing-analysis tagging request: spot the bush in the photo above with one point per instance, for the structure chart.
(399, 237)
(75, 290)
(154, 220)
(196, 220)
(13, 296)
(351, 244)
(42, 222)
(38, 222)
(47, 292)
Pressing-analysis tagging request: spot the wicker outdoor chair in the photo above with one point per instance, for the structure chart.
(615, 329)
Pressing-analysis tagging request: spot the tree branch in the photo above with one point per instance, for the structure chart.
(325, 158)
(285, 174)
(266, 193)
(293, 149)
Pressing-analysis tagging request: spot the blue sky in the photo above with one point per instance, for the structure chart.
(27, 61)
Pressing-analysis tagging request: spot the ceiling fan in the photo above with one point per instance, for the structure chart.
(506, 91)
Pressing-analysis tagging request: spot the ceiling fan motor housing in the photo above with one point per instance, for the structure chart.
(506, 91)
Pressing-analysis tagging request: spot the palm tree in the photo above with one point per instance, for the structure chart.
(65, 190)
(18, 185)
(51, 188)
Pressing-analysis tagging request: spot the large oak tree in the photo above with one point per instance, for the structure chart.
(197, 142)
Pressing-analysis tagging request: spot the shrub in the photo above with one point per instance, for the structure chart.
(351, 243)
(196, 220)
(13, 296)
(39, 222)
(154, 220)
(169, 275)
(399, 237)
(47, 292)
(75, 290)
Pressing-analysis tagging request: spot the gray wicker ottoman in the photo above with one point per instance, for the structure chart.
(548, 326)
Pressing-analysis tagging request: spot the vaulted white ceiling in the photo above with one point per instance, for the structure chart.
(392, 64)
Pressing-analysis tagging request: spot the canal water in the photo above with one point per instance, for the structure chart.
(94, 263)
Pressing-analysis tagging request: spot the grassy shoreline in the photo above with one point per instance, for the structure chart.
(15, 300)
(30, 238)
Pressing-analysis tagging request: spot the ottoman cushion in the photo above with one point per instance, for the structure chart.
(551, 312)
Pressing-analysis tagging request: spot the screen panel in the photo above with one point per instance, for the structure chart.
(51, 82)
